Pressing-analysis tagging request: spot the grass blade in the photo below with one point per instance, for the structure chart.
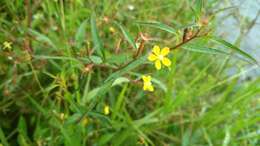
(81, 34)
(127, 35)
(42, 38)
(205, 50)
(236, 49)
(98, 45)
(3, 138)
(158, 25)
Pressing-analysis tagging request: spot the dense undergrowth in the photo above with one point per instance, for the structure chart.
(71, 74)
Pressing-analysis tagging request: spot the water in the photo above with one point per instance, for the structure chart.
(231, 27)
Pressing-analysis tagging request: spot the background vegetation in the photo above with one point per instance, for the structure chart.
(70, 59)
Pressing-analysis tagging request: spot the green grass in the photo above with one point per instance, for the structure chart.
(66, 65)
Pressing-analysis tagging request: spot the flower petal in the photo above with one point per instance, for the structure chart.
(144, 87)
(165, 51)
(149, 78)
(166, 61)
(146, 78)
(158, 64)
(106, 110)
(150, 88)
(152, 57)
(156, 50)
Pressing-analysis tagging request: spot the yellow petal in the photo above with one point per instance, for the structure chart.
(165, 51)
(106, 110)
(150, 88)
(158, 64)
(144, 87)
(152, 57)
(149, 78)
(166, 62)
(7, 45)
(146, 78)
(156, 50)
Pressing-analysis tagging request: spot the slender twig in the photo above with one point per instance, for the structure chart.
(117, 49)
(196, 35)
(253, 22)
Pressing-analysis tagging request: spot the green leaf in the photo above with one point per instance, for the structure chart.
(186, 138)
(160, 84)
(234, 48)
(42, 38)
(120, 80)
(98, 45)
(104, 139)
(118, 58)
(96, 59)
(100, 91)
(81, 34)
(3, 138)
(158, 25)
(119, 101)
(90, 95)
(204, 50)
(127, 35)
(199, 7)
(22, 128)
(133, 64)
(37, 106)
(73, 119)
(227, 138)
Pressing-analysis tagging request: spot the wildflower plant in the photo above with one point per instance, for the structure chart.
(107, 82)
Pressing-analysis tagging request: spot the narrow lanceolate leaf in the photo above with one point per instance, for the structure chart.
(234, 48)
(198, 6)
(3, 137)
(81, 34)
(42, 38)
(22, 127)
(90, 95)
(127, 35)
(98, 45)
(120, 80)
(158, 25)
(205, 50)
(126, 69)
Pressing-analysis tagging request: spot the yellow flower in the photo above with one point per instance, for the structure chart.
(62, 116)
(147, 83)
(7, 45)
(112, 29)
(85, 121)
(159, 56)
(106, 110)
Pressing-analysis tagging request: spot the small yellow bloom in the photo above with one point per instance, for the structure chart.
(85, 121)
(159, 56)
(7, 45)
(62, 116)
(106, 110)
(112, 29)
(141, 141)
(147, 83)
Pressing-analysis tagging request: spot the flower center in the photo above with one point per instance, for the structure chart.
(160, 57)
